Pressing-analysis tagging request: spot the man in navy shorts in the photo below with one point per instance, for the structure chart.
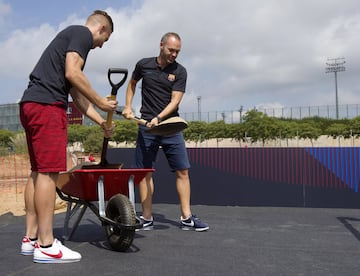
(57, 74)
(163, 86)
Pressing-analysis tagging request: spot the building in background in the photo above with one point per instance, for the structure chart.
(10, 119)
(74, 115)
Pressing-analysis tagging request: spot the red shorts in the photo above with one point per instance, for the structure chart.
(46, 135)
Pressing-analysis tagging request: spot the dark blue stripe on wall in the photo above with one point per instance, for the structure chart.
(314, 167)
(302, 177)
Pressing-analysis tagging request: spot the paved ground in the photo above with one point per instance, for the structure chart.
(241, 241)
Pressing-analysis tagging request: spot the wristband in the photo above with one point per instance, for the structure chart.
(159, 119)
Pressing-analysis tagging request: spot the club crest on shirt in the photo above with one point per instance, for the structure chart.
(171, 77)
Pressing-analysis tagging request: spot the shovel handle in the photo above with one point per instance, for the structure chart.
(139, 120)
(114, 88)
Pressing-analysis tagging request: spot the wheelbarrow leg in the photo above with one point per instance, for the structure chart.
(79, 206)
(101, 196)
(70, 212)
(132, 191)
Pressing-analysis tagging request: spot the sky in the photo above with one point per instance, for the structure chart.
(249, 53)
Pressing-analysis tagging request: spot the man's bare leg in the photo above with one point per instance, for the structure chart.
(31, 219)
(45, 196)
(146, 190)
(183, 189)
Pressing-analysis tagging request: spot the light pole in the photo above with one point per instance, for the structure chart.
(335, 65)
(199, 107)
(240, 111)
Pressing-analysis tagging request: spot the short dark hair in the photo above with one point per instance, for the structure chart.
(107, 16)
(169, 34)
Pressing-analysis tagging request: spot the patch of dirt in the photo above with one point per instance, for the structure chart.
(14, 203)
(14, 170)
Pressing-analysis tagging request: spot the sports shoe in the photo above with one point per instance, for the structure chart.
(27, 246)
(57, 253)
(193, 223)
(146, 224)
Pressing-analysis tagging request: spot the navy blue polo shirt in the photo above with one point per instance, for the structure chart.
(158, 84)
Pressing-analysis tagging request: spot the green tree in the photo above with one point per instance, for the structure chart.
(308, 130)
(217, 130)
(125, 131)
(256, 125)
(236, 132)
(338, 130)
(318, 122)
(259, 127)
(78, 133)
(196, 132)
(287, 130)
(6, 144)
(94, 140)
(355, 126)
(5, 138)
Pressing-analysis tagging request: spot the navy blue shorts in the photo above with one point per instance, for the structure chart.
(147, 147)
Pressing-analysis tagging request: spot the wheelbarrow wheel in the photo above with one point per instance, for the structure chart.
(120, 210)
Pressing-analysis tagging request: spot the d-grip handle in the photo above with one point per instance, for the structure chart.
(115, 87)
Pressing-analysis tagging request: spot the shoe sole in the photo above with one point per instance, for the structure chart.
(27, 253)
(187, 228)
(148, 228)
(55, 261)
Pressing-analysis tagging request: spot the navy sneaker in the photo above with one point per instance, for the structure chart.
(193, 223)
(147, 224)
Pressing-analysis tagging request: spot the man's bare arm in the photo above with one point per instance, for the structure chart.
(75, 75)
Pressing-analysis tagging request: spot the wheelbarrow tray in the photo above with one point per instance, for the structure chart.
(109, 193)
(83, 183)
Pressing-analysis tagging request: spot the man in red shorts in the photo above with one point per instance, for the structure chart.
(57, 74)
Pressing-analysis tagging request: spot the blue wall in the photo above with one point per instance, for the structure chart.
(309, 177)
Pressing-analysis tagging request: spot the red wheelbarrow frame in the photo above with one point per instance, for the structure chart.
(105, 188)
(93, 188)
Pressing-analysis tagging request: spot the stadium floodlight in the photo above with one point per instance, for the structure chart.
(335, 65)
(199, 107)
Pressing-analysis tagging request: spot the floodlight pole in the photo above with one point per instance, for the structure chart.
(240, 111)
(199, 107)
(335, 65)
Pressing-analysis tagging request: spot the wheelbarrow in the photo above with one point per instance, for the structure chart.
(106, 189)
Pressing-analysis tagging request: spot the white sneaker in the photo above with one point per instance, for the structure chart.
(57, 253)
(27, 246)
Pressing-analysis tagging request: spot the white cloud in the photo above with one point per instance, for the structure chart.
(5, 9)
(23, 48)
(236, 52)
